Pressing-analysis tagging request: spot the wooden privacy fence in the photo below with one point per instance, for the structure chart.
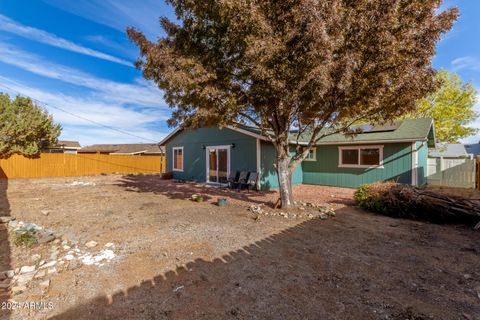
(452, 172)
(478, 172)
(71, 165)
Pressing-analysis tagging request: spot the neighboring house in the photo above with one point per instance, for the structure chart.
(142, 149)
(473, 149)
(395, 152)
(64, 146)
(448, 150)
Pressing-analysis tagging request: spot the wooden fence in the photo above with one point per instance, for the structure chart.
(71, 165)
(452, 172)
(478, 172)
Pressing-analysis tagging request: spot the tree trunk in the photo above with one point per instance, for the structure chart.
(284, 178)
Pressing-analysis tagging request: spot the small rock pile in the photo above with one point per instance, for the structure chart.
(321, 212)
(63, 255)
(82, 183)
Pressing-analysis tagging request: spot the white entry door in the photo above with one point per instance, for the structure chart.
(218, 164)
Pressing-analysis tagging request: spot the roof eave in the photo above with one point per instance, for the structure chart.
(362, 142)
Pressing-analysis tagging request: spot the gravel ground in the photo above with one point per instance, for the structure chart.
(178, 259)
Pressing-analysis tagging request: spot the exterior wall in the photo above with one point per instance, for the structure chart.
(397, 161)
(324, 171)
(269, 178)
(242, 156)
(422, 169)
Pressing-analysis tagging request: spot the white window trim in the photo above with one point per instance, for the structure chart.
(340, 160)
(173, 159)
(314, 149)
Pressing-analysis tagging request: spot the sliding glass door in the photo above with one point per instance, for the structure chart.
(218, 164)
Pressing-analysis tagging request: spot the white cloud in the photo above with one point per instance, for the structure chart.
(135, 122)
(142, 93)
(118, 45)
(6, 24)
(119, 14)
(470, 63)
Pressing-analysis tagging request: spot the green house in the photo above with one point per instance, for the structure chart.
(389, 152)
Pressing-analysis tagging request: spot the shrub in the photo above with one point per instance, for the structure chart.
(25, 238)
(372, 196)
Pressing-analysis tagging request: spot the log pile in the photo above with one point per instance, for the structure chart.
(406, 201)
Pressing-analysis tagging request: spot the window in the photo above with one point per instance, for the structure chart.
(361, 157)
(312, 155)
(178, 159)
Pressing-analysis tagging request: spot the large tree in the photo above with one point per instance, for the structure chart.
(25, 128)
(451, 106)
(317, 66)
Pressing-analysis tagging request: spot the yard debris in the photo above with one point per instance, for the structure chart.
(178, 288)
(405, 201)
(45, 212)
(197, 197)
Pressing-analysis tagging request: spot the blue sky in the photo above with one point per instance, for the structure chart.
(75, 55)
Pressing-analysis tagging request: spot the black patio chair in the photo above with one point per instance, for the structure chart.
(242, 179)
(251, 181)
(232, 179)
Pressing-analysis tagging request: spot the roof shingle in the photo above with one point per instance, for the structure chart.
(126, 148)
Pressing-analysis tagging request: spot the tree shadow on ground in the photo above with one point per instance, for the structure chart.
(345, 268)
(5, 252)
(173, 189)
(184, 190)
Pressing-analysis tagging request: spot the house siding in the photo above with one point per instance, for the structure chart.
(325, 171)
(242, 156)
(269, 177)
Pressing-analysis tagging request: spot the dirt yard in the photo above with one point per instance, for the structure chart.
(158, 255)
